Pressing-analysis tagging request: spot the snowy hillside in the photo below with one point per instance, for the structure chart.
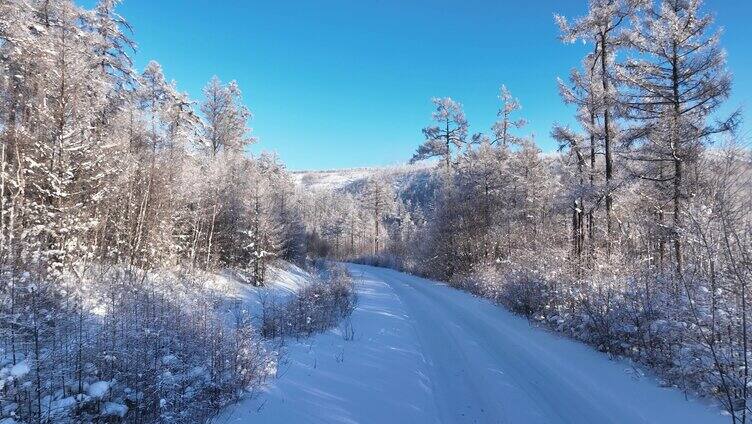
(354, 178)
(283, 280)
(336, 179)
(426, 353)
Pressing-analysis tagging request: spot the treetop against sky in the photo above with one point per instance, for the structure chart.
(337, 83)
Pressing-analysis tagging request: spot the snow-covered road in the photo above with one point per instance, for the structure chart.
(426, 353)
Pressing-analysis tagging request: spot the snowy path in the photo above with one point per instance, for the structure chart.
(427, 353)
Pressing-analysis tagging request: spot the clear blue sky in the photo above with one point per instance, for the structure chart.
(347, 83)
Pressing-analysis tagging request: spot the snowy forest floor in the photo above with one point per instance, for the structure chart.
(424, 352)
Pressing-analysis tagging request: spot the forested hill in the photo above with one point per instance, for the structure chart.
(353, 180)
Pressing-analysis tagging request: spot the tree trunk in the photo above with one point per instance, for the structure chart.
(607, 142)
(675, 141)
(211, 235)
(376, 224)
(591, 211)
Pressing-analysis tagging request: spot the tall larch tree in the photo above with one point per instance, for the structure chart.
(583, 90)
(449, 132)
(604, 26)
(502, 128)
(677, 81)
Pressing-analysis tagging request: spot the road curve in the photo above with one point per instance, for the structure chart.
(486, 365)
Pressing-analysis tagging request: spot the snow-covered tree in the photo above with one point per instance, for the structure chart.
(378, 198)
(604, 26)
(226, 118)
(449, 132)
(503, 126)
(677, 81)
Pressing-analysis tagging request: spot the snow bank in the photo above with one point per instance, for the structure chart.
(112, 409)
(98, 390)
(283, 279)
(20, 369)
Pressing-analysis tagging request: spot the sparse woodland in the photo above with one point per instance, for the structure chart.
(634, 237)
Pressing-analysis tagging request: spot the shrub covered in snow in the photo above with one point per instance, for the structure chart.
(141, 347)
(314, 308)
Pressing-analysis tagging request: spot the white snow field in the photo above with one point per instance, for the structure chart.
(283, 280)
(426, 353)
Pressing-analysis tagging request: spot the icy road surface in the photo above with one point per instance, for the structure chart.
(426, 353)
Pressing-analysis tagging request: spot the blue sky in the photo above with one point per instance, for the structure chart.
(347, 83)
